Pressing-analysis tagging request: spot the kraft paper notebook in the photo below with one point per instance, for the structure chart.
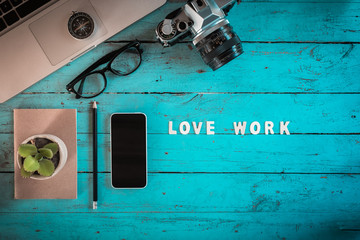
(58, 122)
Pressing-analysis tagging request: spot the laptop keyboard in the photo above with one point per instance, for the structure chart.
(13, 12)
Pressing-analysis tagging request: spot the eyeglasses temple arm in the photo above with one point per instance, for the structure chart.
(99, 62)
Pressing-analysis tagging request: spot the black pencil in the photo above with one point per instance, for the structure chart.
(95, 195)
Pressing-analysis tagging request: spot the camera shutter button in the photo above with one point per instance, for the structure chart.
(167, 28)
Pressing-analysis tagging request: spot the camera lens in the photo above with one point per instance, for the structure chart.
(220, 47)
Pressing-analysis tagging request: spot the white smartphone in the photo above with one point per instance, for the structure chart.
(128, 150)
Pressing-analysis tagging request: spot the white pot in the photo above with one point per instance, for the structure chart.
(62, 152)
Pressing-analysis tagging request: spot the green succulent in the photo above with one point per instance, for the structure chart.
(38, 160)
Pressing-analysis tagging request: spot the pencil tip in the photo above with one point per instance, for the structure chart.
(94, 104)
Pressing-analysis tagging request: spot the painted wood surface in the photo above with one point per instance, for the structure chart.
(262, 154)
(275, 21)
(282, 68)
(207, 192)
(180, 225)
(301, 64)
(307, 113)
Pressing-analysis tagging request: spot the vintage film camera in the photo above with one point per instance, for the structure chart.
(205, 22)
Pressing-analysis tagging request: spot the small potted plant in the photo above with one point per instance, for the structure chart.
(41, 157)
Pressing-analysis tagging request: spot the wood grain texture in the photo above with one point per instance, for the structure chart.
(205, 192)
(271, 21)
(301, 64)
(244, 154)
(306, 113)
(180, 225)
(290, 68)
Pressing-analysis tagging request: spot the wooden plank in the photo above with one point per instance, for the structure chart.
(307, 113)
(295, 68)
(325, 21)
(215, 193)
(178, 226)
(225, 153)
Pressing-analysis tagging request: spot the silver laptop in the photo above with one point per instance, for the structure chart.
(38, 37)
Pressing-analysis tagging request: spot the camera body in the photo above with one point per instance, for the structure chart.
(205, 22)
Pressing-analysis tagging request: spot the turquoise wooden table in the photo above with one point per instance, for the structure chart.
(301, 64)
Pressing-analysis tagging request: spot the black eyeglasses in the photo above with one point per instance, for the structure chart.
(121, 62)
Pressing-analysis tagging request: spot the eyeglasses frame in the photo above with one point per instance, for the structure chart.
(108, 58)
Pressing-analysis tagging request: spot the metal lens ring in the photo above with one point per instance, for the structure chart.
(220, 47)
(126, 62)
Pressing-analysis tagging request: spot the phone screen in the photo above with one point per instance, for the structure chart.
(128, 150)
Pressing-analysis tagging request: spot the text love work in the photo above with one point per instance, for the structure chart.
(185, 128)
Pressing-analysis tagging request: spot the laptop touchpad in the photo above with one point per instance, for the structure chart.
(51, 31)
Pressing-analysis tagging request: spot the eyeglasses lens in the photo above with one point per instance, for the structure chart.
(126, 62)
(92, 85)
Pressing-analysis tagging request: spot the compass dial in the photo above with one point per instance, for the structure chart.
(81, 25)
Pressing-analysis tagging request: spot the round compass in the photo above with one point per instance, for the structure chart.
(81, 25)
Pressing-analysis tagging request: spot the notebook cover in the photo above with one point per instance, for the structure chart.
(61, 123)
